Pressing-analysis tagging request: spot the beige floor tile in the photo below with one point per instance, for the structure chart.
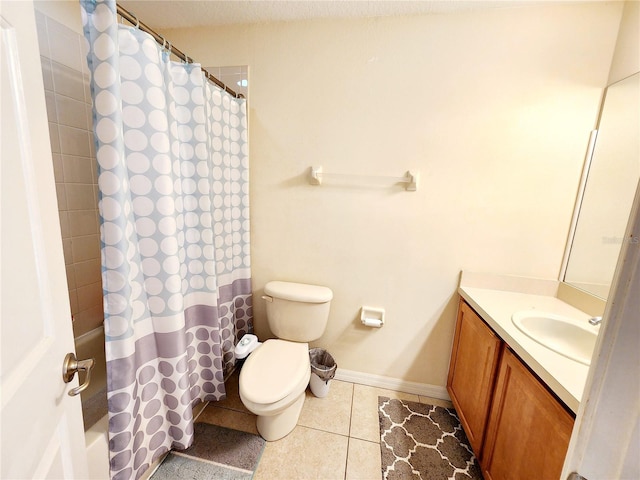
(436, 401)
(304, 454)
(224, 417)
(230, 412)
(331, 413)
(363, 460)
(233, 401)
(364, 413)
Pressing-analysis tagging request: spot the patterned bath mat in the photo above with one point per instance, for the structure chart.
(217, 452)
(423, 442)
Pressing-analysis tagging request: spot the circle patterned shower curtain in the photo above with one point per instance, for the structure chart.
(173, 179)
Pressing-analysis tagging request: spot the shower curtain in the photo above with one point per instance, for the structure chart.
(173, 199)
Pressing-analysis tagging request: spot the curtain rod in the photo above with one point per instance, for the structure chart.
(133, 20)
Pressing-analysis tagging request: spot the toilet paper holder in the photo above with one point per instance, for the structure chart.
(372, 316)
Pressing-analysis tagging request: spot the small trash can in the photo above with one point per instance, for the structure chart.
(323, 369)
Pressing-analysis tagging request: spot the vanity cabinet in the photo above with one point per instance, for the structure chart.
(528, 430)
(472, 372)
(515, 425)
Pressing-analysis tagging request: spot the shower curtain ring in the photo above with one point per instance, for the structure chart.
(136, 19)
(164, 41)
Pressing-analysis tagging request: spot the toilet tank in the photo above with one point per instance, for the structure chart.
(296, 311)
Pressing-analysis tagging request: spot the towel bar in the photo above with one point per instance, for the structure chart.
(411, 179)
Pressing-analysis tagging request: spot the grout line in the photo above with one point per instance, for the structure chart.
(346, 460)
(210, 462)
(231, 408)
(323, 431)
(346, 465)
(353, 394)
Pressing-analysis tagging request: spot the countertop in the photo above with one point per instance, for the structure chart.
(495, 301)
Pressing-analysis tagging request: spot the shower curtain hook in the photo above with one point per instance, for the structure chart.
(164, 41)
(136, 19)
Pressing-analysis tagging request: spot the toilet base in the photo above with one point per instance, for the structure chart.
(275, 427)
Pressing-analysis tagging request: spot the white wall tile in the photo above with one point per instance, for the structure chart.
(89, 296)
(79, 196)
(54, 137)
(87, 320)
(88, 272)
(94, 163)
(47, 74)
(86, 247)
(43, 36)
(96, 194)
(215, 71)
(62, 196)
(58, 171)
(64, 224)
(64, 45)
(92, 145)
(66, 250)
(88, 113)
(77, 169)
(50, 98)
(71, 112)
(230, 76)
(87, 90)
(67, 81)
(71, 277)
(233, 70)
(73, 299)
(83, 222)
(74, 141)
(84, 49)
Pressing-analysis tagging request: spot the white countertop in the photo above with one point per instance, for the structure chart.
(495, 304)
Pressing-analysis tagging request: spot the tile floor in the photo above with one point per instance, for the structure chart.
(337, 437)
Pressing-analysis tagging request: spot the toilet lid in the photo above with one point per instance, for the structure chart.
(273, 370)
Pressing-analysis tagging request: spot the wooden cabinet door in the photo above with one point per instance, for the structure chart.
(472, 371)
(528, 431)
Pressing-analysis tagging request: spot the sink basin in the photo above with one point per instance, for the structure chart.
(563, 335)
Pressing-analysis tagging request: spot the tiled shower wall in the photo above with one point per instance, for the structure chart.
(236, 78)
(66, 83)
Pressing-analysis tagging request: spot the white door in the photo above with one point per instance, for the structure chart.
(41, 425)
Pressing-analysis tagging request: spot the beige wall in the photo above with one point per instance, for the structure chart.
(493, 108)
(626, 58)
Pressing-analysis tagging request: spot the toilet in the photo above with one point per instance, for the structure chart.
(275, 375)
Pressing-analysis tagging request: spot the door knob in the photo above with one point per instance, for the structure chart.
(70, 366)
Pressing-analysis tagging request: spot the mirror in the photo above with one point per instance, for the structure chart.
(612, 180)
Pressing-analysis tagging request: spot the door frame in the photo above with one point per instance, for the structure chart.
(606, 435)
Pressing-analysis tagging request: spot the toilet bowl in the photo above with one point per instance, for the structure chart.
(275, 374)
(273, 383)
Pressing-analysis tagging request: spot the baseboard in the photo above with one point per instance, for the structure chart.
(395, 384)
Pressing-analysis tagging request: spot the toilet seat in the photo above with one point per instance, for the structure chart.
(274, 371)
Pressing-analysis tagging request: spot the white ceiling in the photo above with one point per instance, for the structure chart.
(191, 13)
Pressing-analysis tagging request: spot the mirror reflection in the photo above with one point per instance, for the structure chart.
(610, 188)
